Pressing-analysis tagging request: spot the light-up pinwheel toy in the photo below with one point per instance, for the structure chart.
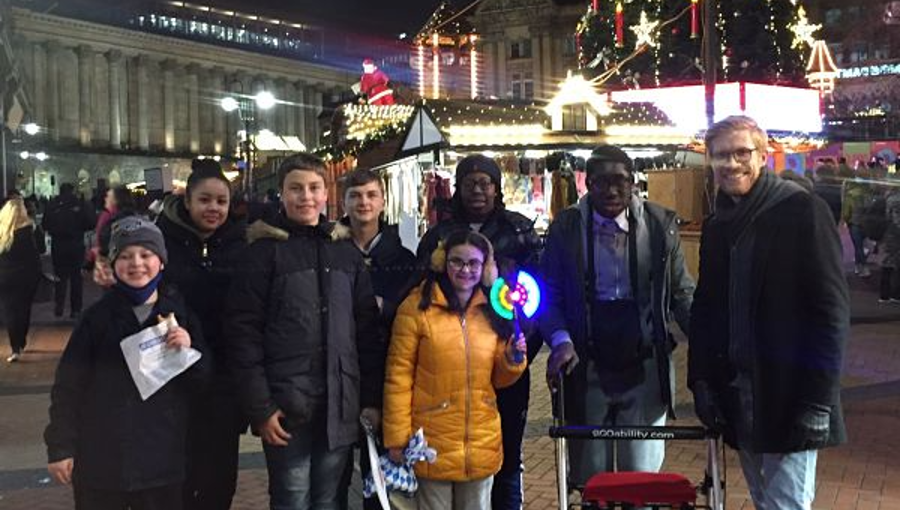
(511, 299)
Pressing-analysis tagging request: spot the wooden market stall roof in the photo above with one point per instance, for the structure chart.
(496, 125)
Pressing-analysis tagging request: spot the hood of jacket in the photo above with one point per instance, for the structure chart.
(175, 213)
(282, 228)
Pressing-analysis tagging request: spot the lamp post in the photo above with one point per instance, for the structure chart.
(40, 156)
(247, 108)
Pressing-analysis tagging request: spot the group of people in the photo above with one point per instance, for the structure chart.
(305, 326)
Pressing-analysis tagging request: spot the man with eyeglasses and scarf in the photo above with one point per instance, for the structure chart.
(478, 205)
(615, 278)
(769, 321)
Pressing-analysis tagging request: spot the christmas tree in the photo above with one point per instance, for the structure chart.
(658, 42)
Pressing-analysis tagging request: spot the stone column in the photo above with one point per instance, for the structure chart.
(85, 83)
(536, 75)
(548, 77)
(40, 85)
(301, 111)
(114, 61)
(314, 100)
(143, 102)
(289, 109)
(51, 93)
(282, 109)
(219, 87)
(168, 78)
(193, 85)
(502, 85)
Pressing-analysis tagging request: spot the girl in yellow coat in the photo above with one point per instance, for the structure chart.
(448, 353)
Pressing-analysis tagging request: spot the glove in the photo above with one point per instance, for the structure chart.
(706, 408)
(813, 426)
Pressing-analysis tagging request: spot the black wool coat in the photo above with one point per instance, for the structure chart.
(120, 442)
(772, 302)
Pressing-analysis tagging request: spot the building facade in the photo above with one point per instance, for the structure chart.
(865, 45)
(112, 101)
(527, 46)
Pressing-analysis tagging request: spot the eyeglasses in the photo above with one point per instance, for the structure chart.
(742, 155)
(457, 264)
(482, 184)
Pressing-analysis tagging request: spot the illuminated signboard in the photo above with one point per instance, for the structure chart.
(775, 108)
(869, 71)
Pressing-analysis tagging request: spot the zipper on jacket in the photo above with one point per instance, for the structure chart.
(462, 321)
(205, 251)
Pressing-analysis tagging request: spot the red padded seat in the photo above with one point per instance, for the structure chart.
(639, 488)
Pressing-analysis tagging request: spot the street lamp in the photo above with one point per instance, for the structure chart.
(247, 107)
(40, 156)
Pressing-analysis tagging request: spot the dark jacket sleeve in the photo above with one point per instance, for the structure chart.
(553, 268)
(700, 351)
(245, 318)
(427, 245)
(827, 303)
(72, 377)
(681, 285)
(371, 344)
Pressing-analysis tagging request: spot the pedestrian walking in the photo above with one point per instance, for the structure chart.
(448, 353)
(66, 219)
(117, 449)
(301, 324)
(769, 320)
(20, 271)
(890, 244)
(118, 202)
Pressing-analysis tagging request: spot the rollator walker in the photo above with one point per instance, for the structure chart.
(630, 489)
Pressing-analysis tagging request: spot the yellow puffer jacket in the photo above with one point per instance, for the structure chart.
(442, 369)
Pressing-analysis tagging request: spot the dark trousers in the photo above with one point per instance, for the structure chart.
(512, 403)
(890, 283)
(167, 497)
(67, 268)
(214, 437)
(858, 238)
(16, 304)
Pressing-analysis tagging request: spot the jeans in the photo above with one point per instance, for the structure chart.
(305, 474)
(441, 495)
(641, 405)
(780, 481)
(859, 240)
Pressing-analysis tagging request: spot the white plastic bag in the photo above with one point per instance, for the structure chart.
(151, 362)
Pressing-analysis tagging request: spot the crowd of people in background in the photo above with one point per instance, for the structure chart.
(306, 326)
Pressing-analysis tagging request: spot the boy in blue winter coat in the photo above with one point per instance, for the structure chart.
(117, 450)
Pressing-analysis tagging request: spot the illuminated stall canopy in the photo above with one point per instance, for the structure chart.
(776, 108)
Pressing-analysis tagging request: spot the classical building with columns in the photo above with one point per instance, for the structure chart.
(527, 46)
(112, 101)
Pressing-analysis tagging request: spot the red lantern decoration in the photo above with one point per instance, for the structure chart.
(695, 19)
(620, 25)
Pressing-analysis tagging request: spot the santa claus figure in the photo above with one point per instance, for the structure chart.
(374, 84)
